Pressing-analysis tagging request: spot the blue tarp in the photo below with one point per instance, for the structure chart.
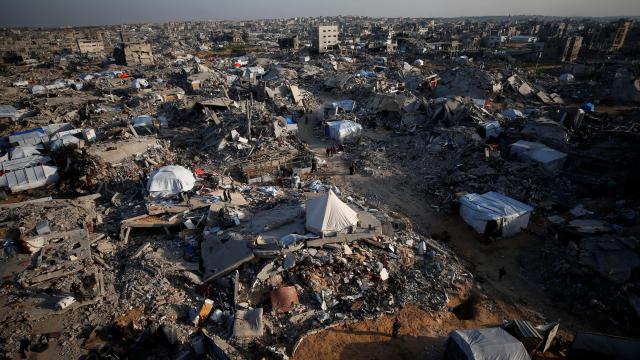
(290, 120)
(366, 73)
(39, 130)
(588, 107)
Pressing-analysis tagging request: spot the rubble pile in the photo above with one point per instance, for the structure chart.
(204, 194)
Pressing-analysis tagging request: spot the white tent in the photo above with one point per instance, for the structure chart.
(510, 215)
(342, 130)
(327, 213)
(481, 344)
(169, 181)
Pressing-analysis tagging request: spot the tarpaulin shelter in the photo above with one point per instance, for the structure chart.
(551, 160)
(30, 178)
(327, 213)
(484, 344)
(169, 181)
(342, 130)
(508, 214)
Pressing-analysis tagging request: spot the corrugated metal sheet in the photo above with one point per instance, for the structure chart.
(526, 329)
(31, 178)
(13, 165)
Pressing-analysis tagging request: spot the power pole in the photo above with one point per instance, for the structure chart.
(249, 115)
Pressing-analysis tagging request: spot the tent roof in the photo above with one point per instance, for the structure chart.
(493, 205)
(170, 180)
(328, 213)
(493, 343)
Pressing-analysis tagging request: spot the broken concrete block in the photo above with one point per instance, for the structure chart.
(65, 302)
(42, 227)
(221, 258)
(248, 323)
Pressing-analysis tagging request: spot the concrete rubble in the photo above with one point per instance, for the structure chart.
(161, 203)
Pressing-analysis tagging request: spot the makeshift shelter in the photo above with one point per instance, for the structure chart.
(551, 160)
(169, 181)
(21, 152)
(495, 213)
(342, 130)
(30, 178)
(481, 344)
(327, 213)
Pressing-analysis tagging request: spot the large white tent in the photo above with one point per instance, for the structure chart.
(484, 344)
(169, 181)
(327, 213)
(510, 215)
(342, 130)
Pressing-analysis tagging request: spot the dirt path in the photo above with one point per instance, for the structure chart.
(514, 296)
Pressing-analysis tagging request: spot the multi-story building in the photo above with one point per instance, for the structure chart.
(291, 42)
(134, 53)
(611, 37)
(562, 49)
(325, 38)
(88, 47)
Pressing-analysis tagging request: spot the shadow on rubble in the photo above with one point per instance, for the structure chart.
(467, 310)
(402, 347)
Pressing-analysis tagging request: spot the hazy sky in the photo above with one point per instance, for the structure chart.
(99, 12)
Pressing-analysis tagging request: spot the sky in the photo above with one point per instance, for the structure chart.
(106, 12)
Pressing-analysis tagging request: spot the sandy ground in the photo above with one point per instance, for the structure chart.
(513, 297)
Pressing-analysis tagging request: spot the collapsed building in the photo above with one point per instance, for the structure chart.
(206, 205)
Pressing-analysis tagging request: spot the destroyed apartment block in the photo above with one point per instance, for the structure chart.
(134, 53)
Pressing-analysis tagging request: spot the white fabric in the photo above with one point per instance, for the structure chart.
(511, 215)
(139, 83)
(493, 343)
(567, 78)
(169, 181)
(142, 120)
(344, 129)
(328, 213)
(21, 152)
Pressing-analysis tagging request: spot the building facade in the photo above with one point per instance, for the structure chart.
(325, 38)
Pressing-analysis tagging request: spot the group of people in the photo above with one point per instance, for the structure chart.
(332, 150)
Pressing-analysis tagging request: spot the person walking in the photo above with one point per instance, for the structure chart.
(314, 165)
(352, 168)
(396, 328)
(502, 272)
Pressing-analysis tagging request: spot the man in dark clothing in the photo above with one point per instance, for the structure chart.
(396, 328)
(352, 168)
(328, 151)
(501, 273)
(314, 165)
